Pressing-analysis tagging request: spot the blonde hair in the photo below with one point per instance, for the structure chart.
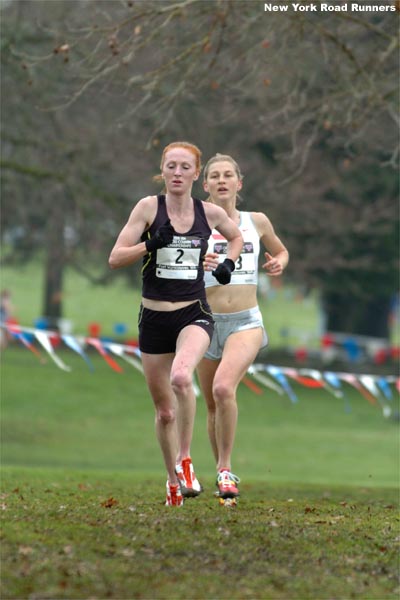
(187, 146)
(220, 158)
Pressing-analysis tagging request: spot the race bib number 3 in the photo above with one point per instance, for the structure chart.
(179, 260)
(244, 264)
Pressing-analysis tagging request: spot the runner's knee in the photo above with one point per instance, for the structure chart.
(223, 392)
(165, 416)
(181, 381)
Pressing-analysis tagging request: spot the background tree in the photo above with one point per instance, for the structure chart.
(307, 103)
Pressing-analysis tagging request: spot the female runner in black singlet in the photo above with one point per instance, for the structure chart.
(170, 232)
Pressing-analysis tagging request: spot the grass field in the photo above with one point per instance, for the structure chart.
(83, 489)
(69, 534)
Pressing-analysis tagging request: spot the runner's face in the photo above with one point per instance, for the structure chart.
(179, 170)
(222, 182)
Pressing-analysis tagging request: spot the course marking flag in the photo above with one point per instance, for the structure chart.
(375, 388)
(120, 351)
(265, 380)
(43, 339)
(352, 380)
(281, 379)
(20, 336)
(96, 343)
(73, 343)
(251, 385)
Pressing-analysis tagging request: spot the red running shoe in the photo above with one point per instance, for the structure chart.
(190, 486)
(227, 484)
(174, 496)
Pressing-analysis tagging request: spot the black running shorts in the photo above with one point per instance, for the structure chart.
(159, 330)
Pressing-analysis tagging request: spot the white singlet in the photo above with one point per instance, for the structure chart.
(246, 266)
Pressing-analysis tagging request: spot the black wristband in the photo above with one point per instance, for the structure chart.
(151, 244)
(162, 237)
(223, 272)
(230, 264)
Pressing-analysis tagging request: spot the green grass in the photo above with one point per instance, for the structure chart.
(97, 535)
(84, 303)
(83, 489)
(105, 420)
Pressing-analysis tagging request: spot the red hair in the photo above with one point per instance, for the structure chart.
(187, 146)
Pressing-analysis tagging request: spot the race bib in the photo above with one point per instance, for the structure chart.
(180, 259)
(244, 264)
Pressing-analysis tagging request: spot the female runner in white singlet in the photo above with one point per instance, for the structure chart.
(238, 329)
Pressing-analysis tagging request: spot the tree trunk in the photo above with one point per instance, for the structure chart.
(54, 266)
(350, 314)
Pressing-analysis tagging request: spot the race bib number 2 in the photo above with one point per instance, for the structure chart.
(179, 260)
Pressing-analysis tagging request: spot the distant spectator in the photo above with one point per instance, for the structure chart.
(6, 313)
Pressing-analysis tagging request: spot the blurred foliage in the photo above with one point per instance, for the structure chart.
(307, 103)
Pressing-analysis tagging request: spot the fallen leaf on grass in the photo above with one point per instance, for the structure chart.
(110, 503)
(274, 524)
(83, 486)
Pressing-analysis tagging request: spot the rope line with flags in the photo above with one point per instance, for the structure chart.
(376, 389)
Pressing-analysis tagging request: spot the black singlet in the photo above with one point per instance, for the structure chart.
(176, 273)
